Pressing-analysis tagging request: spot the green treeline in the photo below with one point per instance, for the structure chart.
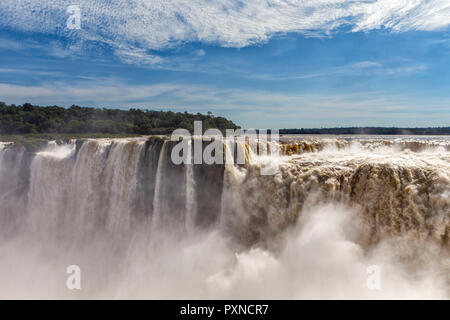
(30, 119)
(35, 120)
(371, 130)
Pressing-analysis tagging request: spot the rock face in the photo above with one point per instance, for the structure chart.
(397, 190)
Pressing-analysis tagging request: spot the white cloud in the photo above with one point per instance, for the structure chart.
(366, 64)
(132, 27)
(250, 108)
(133, 55)
(106, 93)
(200, 53)
(361, 68)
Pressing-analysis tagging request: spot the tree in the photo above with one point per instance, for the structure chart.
(28, 107)
(35, 119)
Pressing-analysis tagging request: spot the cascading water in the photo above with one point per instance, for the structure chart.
(140, 226)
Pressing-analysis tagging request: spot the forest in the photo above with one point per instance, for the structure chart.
(32, 119)
(28, 119)
(371, 130)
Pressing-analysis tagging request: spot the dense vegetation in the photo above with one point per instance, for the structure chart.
(40, 122)
(371, 130)
(30, 119)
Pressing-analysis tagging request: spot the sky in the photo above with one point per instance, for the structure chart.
(260, 63)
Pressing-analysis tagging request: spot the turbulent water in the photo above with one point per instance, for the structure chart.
(140, 226)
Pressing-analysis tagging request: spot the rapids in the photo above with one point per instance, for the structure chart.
(140, 226)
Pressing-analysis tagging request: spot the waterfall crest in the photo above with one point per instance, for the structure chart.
(125, 190)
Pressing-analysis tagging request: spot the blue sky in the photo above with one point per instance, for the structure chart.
(265, 64)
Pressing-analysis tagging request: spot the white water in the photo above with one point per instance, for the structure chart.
(140, 227)
(191, 208)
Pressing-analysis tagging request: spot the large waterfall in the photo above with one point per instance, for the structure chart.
(140, 226)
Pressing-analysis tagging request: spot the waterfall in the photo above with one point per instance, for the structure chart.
(191, 208)
(109, 183)
(14, 182)
(158, 185)
(372, 199)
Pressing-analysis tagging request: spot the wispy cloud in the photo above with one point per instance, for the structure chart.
(249, 108)
(362, 68)
(52, 48)
(132, 27)
(31, 71)
(200, 53)
(138, 56)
